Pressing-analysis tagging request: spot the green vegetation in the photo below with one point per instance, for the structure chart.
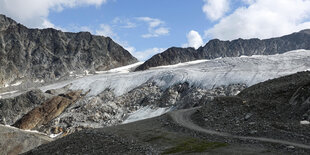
(193, 146)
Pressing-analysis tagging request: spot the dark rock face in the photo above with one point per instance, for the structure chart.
(216, 48)
(49, 54)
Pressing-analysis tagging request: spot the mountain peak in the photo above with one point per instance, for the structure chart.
(5, 22)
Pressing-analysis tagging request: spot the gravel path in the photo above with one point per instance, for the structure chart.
(182, 117)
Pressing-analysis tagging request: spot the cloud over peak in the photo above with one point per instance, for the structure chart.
(34, 13)
(193, 40)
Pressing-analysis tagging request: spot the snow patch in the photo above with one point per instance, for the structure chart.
(87, 72)
(55, 135)
(17, 83)
(181, 64)
(304, 122)
(31, 131)
(123, 69)
(144, 113)
(6, 93)
(38, 81)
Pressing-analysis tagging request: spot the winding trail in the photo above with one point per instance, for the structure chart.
(182, 117)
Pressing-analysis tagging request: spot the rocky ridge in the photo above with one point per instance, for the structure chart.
(46, 55)
(217, 48)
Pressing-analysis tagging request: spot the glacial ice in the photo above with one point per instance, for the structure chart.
(145, 113)
(203, 73)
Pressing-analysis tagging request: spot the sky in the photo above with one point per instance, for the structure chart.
(147, 27)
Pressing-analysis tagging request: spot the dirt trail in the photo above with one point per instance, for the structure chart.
(182, 117)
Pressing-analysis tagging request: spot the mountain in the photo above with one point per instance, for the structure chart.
(46, 55)
(217, 48)
(265, 118)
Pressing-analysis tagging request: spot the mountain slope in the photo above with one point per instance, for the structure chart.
(249, 123)
(216, 48)
(30, 55)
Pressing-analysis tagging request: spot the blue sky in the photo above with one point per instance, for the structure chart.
(123, 17)
(146, 27)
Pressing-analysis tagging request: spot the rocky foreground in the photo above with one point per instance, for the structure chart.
(14, 141)
(267, 118)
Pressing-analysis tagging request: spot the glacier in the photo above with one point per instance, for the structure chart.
(206, 74)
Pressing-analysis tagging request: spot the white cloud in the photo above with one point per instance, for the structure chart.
(124, 23)
(141, 55)
(194, 40)
(34, 13)
(85, 29)
(156, 27)
(105, 30)
(215, 9)
(148, 53)
(153, 22)
(263, 19)
(248, 1)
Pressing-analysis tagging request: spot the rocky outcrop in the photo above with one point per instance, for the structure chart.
(36, 55)
(49, 110)
(216, 48)
(14, 141)
(14, 108)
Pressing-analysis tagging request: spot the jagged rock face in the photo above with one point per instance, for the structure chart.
(13, 109)
(49, 54)
(216, 48)
(14, 141)
(106, 109)
(49, 110)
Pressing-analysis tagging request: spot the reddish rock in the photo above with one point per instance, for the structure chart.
(49, 110)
